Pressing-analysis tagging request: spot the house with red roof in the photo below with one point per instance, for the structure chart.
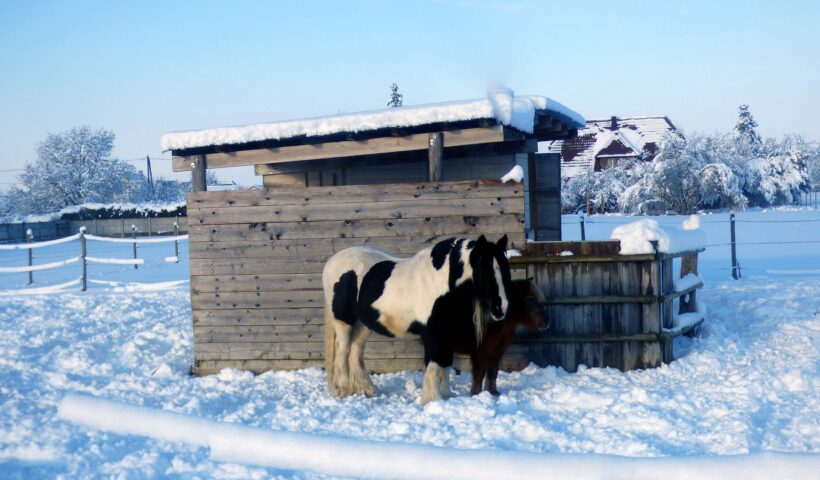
(604, 144)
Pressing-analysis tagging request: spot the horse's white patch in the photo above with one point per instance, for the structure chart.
(412, 290)
(499, 280)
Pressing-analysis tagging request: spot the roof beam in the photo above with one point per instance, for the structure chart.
(349, 148)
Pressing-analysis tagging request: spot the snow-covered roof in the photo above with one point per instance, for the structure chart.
(630, 137)
(501, 105)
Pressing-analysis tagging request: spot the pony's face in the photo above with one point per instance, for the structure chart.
(528, 307)
(491, 277)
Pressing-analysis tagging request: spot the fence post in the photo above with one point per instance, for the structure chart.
(149, 225)
(30, 237)
(176, 242)
(735, 267)
(583, 226)
(134, 237)
(82, 254)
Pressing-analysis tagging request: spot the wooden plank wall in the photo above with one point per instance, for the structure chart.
(378, 169)
(257, 258)
(609, 280)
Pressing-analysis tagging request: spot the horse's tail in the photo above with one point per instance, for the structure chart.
(330, 345)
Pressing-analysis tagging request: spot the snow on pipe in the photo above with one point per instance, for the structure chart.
(23, 246)
(137, 240)
(339, 456)
(116, 261)
(34, 268)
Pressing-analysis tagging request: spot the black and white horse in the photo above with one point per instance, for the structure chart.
(444, 292)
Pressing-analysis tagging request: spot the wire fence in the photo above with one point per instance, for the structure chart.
(583, 222)
(83, 258)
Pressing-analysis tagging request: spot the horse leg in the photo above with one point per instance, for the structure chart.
(444, 382)
(429, 388)
(360, 382)
(341, 362)
(479, 364)
(492, 375)
(439, 358)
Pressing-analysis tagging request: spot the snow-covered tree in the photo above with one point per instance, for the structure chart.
(777, 179)
(747, 139)
(396, 98)
(674, 178)
(74, 167)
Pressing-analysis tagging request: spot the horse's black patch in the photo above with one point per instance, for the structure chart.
(373, 288)
(345, 292)
(456, 264)
(440, 252)
(416, 328)
(448, 321)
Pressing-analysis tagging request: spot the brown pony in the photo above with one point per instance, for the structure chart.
(527, 310)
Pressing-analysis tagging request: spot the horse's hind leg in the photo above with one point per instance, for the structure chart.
(341, 378)
(444, 382)
(360, 382)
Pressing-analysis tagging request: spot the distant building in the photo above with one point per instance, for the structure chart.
(603, 144)
(221, 185)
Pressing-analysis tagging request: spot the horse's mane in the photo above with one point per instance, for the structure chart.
(478, 321)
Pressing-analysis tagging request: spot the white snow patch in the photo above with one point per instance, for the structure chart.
(516, 174)
(687, 281)
(340, 456)
(635, 238)
(691, 223)
(500, 104)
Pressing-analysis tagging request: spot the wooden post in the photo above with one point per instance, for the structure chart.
(544, 179)
(134, 236)
(82, 254)
(30, 238)
(735, 268)
(583, 227)
(435, 155)
(688, 302)
(176, 242)
(198, 168)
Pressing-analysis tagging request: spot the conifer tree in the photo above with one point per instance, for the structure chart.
(744, 133)
(396, 98)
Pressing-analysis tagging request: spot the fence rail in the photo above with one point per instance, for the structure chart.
(115, 227)
(84, 258)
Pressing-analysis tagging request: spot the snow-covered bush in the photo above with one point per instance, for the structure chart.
(721, 188)
(600, 190)
(777, 179)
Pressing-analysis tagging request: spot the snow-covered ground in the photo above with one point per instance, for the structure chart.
(749, 384)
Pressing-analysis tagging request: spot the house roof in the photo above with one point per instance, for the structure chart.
(501, 106)
(637, 137)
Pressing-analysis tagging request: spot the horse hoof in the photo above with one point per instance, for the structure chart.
(495, 393)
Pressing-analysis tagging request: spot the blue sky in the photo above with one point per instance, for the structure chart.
(146, 68)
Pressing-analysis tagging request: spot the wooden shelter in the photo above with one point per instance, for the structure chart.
(398, 179)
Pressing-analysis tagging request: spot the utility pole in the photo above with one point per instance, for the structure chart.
(150, 175)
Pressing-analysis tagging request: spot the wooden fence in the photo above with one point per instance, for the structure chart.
(257, 258)
(607, 309)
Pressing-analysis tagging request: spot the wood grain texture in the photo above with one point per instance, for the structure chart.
(341, 149)
(357, 194)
